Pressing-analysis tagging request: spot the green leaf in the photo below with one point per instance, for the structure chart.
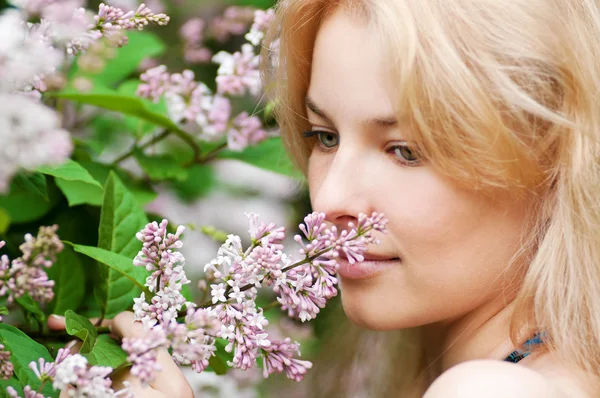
(218, 362)
(106, 352)
(137, 126)
(23, 206)
(75, 182)
(12, 382)
(69, 282)
(199, 182)
(23, 351)
(141, 191)
(3, 310)
(126, 104)
(79, 193)
(4, 221)
(34, 183)
(161, 167)
(70, 171)
(140, 45)
(124, 283)
(33, 311)
(81, 327)
(120, 219)
(268, 155)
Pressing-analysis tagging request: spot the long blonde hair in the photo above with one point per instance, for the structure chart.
(502, 95)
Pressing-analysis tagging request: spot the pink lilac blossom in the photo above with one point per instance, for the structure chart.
(246, 131)
(28, 392)
(189, 103)
(143, 352)
(192, 34)
(238, 72)
(262, 20)
(6, 367)
(83, 381)
(25, 57)
(29, 142)
(234, 21)
(302, 287)
(279, 357)
(25, 275)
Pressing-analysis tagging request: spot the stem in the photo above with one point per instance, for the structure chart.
(209, 156)
(188, 139)
(153, 141)
(271, 305)
(158, 283)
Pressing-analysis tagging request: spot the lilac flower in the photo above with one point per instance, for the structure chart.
(278, 357)
(29, 142)
(25, 274)
(6, 367)
(234, 21)
(47, 370)
(73, 371)
(192, 34)
(28, 392)
(143, 352)
(25, 57)
(262, 20)
(247, 131)
(238, 72)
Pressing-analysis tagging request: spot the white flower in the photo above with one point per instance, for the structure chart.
(68, 371)
(31, 136)
(218, 293)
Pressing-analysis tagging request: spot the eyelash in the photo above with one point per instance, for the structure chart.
(390, 150)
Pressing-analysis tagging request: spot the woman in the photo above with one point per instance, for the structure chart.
(474, 127)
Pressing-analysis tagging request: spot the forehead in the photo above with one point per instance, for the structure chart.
(350, 73)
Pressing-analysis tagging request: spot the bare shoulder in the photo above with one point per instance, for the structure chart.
(492, 379)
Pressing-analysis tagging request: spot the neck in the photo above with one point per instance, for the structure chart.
(481, 334)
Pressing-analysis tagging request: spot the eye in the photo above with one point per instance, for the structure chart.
(405, 154)
(326, 138)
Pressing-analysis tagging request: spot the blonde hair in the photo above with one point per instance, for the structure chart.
(501, 95)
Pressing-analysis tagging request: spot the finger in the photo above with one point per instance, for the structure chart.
(57, 322)
(170, 375)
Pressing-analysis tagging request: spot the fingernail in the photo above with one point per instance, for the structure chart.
(58, 317)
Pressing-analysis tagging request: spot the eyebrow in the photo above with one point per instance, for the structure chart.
(388, 121)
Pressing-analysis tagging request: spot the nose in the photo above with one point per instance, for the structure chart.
(343, 186)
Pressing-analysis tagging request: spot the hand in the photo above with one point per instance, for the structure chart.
(169, 382)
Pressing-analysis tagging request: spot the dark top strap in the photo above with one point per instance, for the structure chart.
(517, 355)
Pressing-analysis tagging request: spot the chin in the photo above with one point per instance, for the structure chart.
(366, 313)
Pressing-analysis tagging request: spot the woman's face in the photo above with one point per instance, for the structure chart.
(448, 249)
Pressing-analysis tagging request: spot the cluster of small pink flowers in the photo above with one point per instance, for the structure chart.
(142, 353)
(234, 21)
(6, 367)
(25, 274)
(168, 277)
(302, 287)
(74, 373)
(71, 371)
(28, 392)
(262, 21)
(279, 357)
(29, 142)
(192, 34)
(191, 342)
(194, 106)
(238, 72)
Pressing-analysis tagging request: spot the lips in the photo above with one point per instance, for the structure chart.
(372, 265)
